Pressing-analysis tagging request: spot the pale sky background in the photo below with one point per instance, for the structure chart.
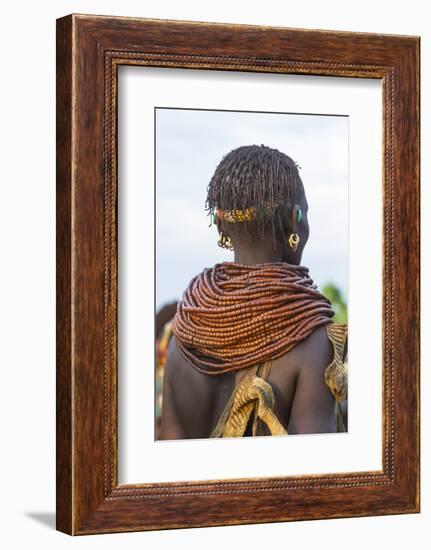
(189, 146)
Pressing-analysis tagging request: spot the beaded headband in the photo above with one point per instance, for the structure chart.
(237, 216)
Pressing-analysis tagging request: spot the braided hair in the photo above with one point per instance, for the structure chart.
(258, 177)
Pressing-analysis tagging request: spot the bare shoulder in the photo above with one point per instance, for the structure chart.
(317, 349)
(176, 364)
(313, 405)
(184, 377)
(313, 353)
(191, 397)
(173, 357)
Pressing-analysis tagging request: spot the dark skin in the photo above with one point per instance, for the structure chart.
(193, 401)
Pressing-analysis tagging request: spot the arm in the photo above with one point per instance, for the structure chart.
(171, 427)
(313, 405)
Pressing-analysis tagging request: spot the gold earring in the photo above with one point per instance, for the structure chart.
(294, 241)
(225, 241)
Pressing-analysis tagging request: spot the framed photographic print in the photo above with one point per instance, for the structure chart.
(237, 274)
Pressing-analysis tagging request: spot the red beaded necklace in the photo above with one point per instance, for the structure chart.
(233, 316)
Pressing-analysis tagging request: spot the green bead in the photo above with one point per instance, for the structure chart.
(215, 217)
(299, 215)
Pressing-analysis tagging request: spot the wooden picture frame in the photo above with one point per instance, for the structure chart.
(89, 51)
